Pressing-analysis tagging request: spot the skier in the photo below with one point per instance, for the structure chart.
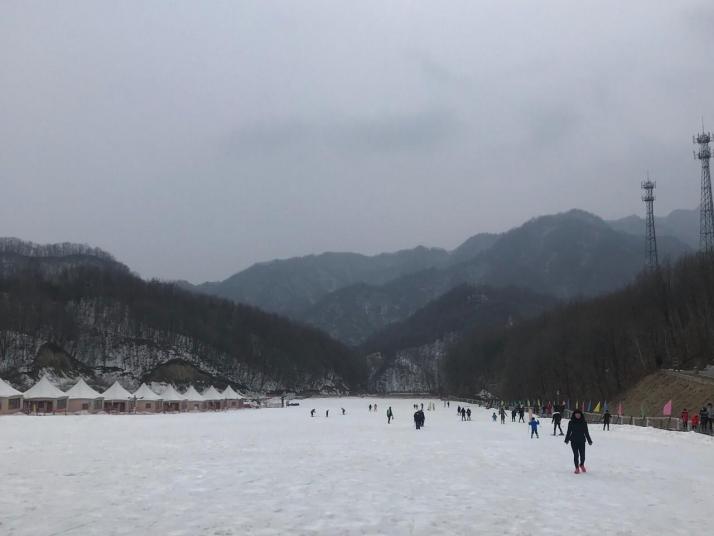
(513, 414)
(458, 410)
(494, 418)
(521, 414)
(534, 423)
(370, 408)
(390, 415)
(327, 413)
(606, 420)
(375, 408)
(503, 415)
(577, 434)
(463, 414)
(685, 419)
(555, 419)
(312, 412)
(468, 414)
(422, 406)
(343, 411)
(448, 404)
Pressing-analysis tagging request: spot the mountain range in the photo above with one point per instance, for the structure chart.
(352, 296)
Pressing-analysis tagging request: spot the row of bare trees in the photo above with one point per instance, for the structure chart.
(599, 347)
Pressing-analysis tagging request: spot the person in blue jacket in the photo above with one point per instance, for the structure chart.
(534, 424)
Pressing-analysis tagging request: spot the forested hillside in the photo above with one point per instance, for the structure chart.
(406, 356)
(103, 322)
(564, 255)
(596, 348)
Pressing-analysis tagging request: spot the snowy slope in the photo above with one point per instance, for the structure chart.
(278, 471)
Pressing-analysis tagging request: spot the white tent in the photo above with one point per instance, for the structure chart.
(147, 400)
(213, 398)
(83, 398)
(195, 401)
(10, 398)
(173, 400)
(44, 397)
(116, 399)
(232, 398)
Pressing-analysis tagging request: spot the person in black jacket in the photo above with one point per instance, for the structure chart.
(576, 435)
(557, 417)
(606, 418)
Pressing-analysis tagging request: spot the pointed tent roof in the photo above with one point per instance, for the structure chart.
(192, 395)
(170, 394)
(212, 394)
(230, 394)
(43, 389)
(116, 392)
(82, 391)
(145, 393)
(7, 390)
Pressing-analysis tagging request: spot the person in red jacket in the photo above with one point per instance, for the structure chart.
(695, 422)
(685, 419)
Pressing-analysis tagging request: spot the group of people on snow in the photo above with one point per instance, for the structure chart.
(701, 422)
(464, 413)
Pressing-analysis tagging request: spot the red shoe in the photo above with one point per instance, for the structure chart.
(582, 468)
(577, 470)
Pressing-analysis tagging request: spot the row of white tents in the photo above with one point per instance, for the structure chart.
(45, 397)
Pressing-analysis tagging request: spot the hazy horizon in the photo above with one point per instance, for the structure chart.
(192, 140)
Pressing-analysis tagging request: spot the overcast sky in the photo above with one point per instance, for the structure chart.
(192, 139)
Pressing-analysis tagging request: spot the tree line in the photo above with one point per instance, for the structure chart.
(599, 347)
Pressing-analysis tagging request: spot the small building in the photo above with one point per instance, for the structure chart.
(147, 401)
(83, 399)
(233, 400)
(195, 401)
(117, 399)
(44, 397)
(10, 399)
(173, 401)
(214, 399)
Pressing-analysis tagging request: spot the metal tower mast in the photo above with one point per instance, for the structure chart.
(706, 209)
(651, 237)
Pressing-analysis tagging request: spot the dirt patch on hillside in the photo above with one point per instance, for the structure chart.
(653, 391)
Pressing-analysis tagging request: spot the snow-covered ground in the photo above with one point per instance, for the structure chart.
(278, 471)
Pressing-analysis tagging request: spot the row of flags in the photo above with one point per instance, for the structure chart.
(599, 406)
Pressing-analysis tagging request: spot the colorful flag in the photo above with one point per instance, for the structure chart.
(619, 409)
(590, 405)
(667, 409)
(597, 408)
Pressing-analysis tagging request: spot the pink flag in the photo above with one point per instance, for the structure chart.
(619, 409)
(667, 409)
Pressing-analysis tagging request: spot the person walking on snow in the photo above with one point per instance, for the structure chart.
(503, 416)
(521, 414)
(463, 414)
(513, 414)
(685, 419)
(390, 415)
(312, 413)
(606, 420)
(370, 408)
(494, 418)
(534, 424)
(327, 413)
(343, 411)
(419, 419)
(576, 435)
(555, 419)
(468, 414)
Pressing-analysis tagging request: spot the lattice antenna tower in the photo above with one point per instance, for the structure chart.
(648, 186)
(706, 208)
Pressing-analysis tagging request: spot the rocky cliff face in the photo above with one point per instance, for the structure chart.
(410, 370)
